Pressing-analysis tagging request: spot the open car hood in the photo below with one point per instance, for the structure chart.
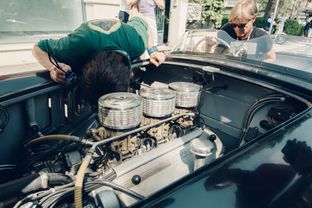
(188, 126)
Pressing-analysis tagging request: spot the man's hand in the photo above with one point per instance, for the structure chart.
(43, 58)
(157, 58)
(57, 75)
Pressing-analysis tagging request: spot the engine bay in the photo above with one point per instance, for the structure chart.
(173, 121)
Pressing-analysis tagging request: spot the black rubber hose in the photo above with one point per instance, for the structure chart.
(63, 137)
(52, 179)
(31, 183)
(59, 195)
(119, 188)
(13, 188)
(254, 108)
(40, 195)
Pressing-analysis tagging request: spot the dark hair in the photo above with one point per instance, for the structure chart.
(107, 72)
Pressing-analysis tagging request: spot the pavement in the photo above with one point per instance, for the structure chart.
(295, 45)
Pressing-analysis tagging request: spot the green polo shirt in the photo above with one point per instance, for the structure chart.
(97, 35)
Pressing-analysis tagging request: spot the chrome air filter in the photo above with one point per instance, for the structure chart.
(120, 110)
(158, 102)
(187, 94)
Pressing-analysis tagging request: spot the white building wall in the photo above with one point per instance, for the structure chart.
(177, 20)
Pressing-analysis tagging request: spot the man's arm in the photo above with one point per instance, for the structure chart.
(156, 57)
(43, 58)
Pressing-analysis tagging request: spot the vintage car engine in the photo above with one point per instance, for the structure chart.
(121, 112)
(155, 116)
(118, 141)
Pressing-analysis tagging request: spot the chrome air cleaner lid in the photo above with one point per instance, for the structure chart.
(184, 87)
(121, 110)
(157, 93)
(158, 102)
(187, 94)
(120, 100)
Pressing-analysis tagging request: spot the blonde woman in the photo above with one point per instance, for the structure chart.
(240, 27)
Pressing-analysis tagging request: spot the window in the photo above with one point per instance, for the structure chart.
(30, 20)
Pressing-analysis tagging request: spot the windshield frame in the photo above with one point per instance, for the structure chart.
(285, 57)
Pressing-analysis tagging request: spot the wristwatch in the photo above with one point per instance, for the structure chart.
(152, 50)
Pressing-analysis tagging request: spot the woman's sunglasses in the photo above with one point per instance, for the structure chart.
(240, 26)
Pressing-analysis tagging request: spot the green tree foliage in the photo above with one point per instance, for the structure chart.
(212, 11)
(285, 6)
(262, 4)
(292, 27)
(211, 15)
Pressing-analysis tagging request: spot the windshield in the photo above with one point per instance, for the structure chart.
(290, 51)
